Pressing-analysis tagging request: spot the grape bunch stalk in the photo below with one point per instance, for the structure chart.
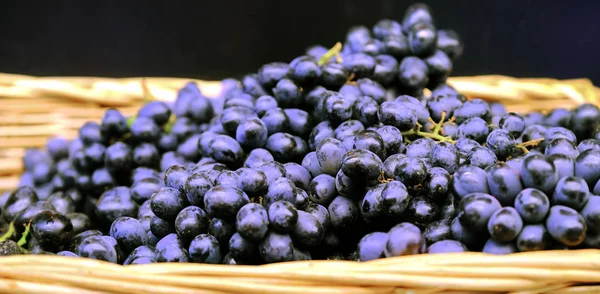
(357, 152)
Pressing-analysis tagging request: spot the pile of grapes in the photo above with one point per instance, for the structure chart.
(358, 152)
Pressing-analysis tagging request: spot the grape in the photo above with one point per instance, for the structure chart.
(139, 254)
(586, 166)
(501, 142)
(505, 224)
(561, 146)
(361, 165)
(51, 230)
(404, 239)
(167, 202)
(474, 128)
(591, 214)
(410, 171)
(469, 179)
(129, 233)
(308, 231)
(394, 114)
(276, 120)
(276, 247)
(422, 38)
(504, 183)
(361, 64)
(572, 192)
(347, 129)
(370, 141)
(438, 183)
(445, 155)
(333, 75)
(476, 209)
(447, 246)
(372, 246)
(343, 213)
(204, 249)
(252, 222)
(566, 226)
(330, 153)
(471, 109)
(495, 247)
(420, 148)
(372, 207)
(191, 222)
(224, 201)
(538, 172)
(395, 198)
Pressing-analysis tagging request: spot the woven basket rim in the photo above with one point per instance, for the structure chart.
(546, 271)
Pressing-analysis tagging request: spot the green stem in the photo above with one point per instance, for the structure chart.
(169, 124)
(9, 233)
(532, 143)
(435, 133)
(130, 121)
(334, 51)
(438, 126)
(23, 239)
(428, 135)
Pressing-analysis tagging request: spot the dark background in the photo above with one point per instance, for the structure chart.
(217, 39)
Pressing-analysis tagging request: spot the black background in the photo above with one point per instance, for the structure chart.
(217, 39)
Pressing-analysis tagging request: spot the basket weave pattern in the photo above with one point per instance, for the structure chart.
(34, 109)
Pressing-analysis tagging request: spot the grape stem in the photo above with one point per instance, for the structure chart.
(532, 143)
(435, 133)
(350, 79)
(438, 126)
(257, 199)
(382, 179)
(170, 123)
(23, 240)
(334, 51)
(9, 232)
(130, 121)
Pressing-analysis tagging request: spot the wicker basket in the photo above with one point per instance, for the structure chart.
(35, 108)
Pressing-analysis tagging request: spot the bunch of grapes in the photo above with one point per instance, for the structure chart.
(358, 152)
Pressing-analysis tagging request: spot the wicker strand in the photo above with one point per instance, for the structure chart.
(11, 286)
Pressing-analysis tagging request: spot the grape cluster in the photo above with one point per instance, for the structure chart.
(358, 152)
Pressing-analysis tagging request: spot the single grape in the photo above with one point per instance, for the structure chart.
(404, 239)
(566, 226)
(447, 246)
(372, 246)
(505, 224)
